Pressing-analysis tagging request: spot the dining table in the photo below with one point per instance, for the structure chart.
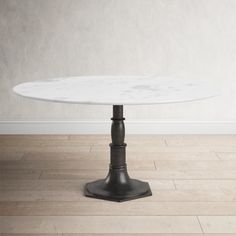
(117, 91)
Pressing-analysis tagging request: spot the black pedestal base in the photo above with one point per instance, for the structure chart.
(117, 186)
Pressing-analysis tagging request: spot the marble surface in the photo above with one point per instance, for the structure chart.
(117, 90)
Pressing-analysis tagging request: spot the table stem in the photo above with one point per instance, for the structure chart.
(118, 147)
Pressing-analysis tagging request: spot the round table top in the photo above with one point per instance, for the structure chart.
(116, 90)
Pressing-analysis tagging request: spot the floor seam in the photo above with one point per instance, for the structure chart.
(155, 164)
(166, 143)
(40, 175)
(200, 225)
(218, 156)
(174, 184)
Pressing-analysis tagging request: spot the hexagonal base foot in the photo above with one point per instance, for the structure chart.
(117, 187)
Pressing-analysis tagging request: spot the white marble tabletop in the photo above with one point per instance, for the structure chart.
(117, 90)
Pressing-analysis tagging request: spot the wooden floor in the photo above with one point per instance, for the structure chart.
(193, 179)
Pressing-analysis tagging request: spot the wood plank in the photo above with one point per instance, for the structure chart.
(80, 155)
(99, 224)
(131, 155)
(20, 174)
(203, 140)
(13, 137)
(160, 195)
(10, 156)
(146, 234)
(104, 208)
(41, 148)
(43, 142)
(90, 137)
(59, 185)
(218, 224)
(206, 184)
(72, 164)
(194, 165)
(42, 234)
(139, 174)
(226, 156)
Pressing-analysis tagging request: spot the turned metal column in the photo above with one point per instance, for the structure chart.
(117, 186)
(117, 147)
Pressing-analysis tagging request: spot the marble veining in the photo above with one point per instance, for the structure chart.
(116, 90)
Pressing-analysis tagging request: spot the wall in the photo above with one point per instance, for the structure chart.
(188, 38)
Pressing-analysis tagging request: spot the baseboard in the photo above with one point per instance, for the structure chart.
(103, 127)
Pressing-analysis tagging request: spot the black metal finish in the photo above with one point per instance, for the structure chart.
(117, 186)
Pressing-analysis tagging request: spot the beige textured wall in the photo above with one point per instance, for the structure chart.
(50, 38)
